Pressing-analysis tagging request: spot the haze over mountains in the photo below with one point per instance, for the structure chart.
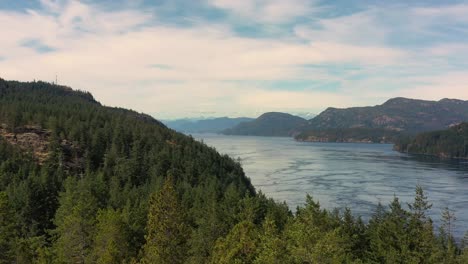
(400, 114)
(269, 124)
(381, 123)
(214, 125)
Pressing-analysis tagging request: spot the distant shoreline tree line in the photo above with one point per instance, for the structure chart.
(449, 143)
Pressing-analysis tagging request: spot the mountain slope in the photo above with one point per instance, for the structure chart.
(65, 159)
(400, 114)
(213, 125)
(269, 124)
(449, 143)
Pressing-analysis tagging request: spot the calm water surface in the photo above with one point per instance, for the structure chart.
(346, 175)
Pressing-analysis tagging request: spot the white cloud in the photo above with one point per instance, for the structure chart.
(362, 28)
(267, 11)
(448, 85)
(457, 12)
(110, 52)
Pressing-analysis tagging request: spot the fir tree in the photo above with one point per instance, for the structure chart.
(110, 243)
(75, 220)
(167, 230)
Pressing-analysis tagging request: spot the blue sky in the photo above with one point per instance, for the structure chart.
(184, 58)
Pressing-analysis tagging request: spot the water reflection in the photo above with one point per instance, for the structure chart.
(347, 175)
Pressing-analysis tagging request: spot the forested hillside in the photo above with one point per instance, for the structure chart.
(85, 183)
(449, 143)
(272, 124)
(76, 203)
(350, 135)
(400, 114)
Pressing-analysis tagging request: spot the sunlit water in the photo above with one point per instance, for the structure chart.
(347, 175)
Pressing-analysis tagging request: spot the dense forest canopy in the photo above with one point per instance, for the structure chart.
(449, 143)
(85, 183)
(399, 114)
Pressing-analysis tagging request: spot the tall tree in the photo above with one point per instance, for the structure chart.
(110, 243)
(167, 230)
(447, 244)
(239, 246)
(272, 248)
(75, 220)
(421, 234)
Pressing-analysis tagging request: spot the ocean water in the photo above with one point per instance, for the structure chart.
(341, 175)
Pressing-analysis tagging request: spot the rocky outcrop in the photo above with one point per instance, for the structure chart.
(36, 141)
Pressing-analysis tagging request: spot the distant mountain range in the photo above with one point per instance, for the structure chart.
(386, 122)
(213, 125)
(383, 123)
(269, 124)
(399, 114)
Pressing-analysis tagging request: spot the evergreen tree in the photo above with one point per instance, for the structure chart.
(167, 230)
(239, 246)
(313, 237)
(447, 243)
(75, 220)
(420, 230)
(387, 233)
(110, 243)
(272, 248)
(463, 258)
(7, 230)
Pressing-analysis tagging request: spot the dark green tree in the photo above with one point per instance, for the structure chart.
(8, 234)
(110, 242)
(75, 220)
(239, 246)
(420, 230)
(167, 229)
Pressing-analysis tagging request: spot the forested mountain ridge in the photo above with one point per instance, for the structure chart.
(142, 193)
(400, 114)
(449, 143)
(269, 124)
(396, 116)
(125, 156)
(376, 124)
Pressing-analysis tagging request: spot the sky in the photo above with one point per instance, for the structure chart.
(188, 58)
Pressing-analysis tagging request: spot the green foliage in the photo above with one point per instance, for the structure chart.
(239, 246)
(314, 237)
(400, 114)
(110, 242)
(75, 220)
(447, 248)
(421, 236)
(7, 230)
(271, 248)
(450, 143)
(84, 183)
(167, 229)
